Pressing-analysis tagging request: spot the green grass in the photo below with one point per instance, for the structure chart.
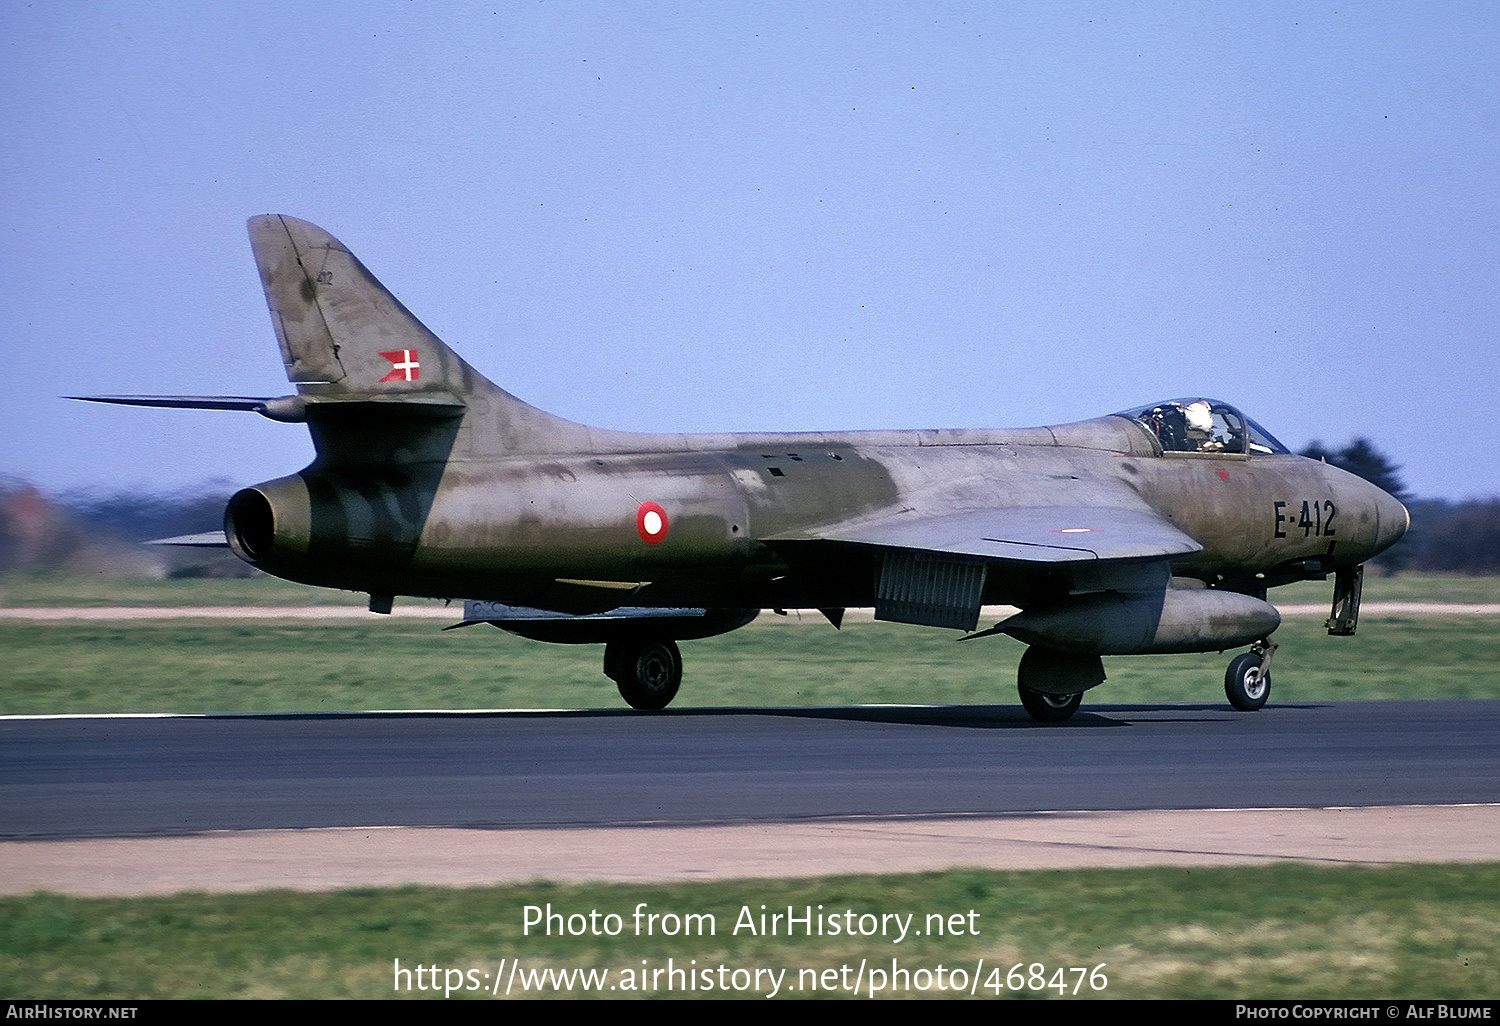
(1459, 588)
(1283, 931)
(389, 663)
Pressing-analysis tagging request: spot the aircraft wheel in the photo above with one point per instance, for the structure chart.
(1049, 708)
(1052, 683)
(1244, 685)
(648, 673)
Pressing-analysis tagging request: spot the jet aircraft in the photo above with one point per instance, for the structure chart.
(1157, 529)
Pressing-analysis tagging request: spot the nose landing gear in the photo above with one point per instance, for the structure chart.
(1247, 682)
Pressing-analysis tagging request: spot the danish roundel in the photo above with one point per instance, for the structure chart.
(651, 523)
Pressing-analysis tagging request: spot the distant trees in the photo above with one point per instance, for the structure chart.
(1446, 537)
(38, 534)
(1361, 457)
(97, 533)
(141, 516)
(1452, 537)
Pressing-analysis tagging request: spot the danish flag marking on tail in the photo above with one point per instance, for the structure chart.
(406, 367)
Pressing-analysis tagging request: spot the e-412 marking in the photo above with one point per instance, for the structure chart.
(1316, 520)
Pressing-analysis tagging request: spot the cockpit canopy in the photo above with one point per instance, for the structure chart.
(1203, 425)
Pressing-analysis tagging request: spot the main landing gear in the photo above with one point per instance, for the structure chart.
(1052, 683)
(1247, 682)
(648, 672)
(1049, 708)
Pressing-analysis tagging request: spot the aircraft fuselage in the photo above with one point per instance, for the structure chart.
(507, 529)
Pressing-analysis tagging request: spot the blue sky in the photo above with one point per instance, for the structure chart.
(735, 216)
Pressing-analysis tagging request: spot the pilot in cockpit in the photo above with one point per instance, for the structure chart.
(1199, 416)
(1190, 425)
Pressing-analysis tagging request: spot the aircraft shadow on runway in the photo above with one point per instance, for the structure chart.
(980, 717)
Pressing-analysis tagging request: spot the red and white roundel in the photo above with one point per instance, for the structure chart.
(651, 523)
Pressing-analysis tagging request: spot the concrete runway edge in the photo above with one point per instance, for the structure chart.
(332, 859)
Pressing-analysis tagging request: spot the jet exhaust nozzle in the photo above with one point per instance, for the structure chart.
(270, 524)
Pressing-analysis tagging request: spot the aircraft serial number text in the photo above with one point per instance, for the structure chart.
(1315, 521)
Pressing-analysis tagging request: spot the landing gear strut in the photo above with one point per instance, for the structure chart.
(1247, 682)
(648, 672)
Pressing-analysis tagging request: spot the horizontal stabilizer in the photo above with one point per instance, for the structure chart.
(186, 402)
(287, 408)
(205, 540)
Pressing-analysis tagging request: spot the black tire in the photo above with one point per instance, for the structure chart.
(648, 673)
(1244, 685)
(1049, 708)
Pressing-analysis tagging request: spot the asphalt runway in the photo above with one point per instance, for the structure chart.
(124, 777)
(151, 805)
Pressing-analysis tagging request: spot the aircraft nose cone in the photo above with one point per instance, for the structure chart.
(1391, 521)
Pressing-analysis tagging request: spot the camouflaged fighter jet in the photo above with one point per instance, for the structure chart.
(1158, 529)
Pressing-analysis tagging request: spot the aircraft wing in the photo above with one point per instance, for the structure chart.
(1032, 534)
(932, 569)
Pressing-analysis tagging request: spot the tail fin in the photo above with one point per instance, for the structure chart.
(344, 338)
(341, 332)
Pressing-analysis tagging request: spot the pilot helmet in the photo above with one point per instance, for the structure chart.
(1200, 415)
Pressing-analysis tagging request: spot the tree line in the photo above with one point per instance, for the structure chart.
(1445, 537)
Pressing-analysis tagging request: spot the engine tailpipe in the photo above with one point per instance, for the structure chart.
(270, 524)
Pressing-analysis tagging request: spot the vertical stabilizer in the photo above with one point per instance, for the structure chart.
(341, 332)
(344, 337)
